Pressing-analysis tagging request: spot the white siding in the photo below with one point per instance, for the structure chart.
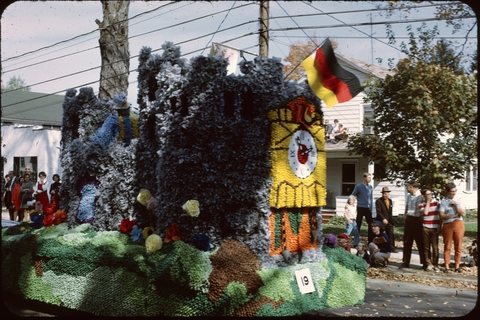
(349, 114)
(25, 142)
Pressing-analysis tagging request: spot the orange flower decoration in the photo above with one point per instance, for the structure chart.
(173, 233)
(59, 217)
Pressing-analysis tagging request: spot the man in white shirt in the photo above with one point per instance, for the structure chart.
(413, 225)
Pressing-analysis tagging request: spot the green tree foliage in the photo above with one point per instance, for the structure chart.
(453, 12)
(425, 119)
(16, 83)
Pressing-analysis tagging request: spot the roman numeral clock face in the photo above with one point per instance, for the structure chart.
(302, 154)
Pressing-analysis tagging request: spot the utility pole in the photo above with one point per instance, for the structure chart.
(114, 48)
(264, 23)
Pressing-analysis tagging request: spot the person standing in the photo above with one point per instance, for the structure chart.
(413, 230)
(384, 208)
(350, 215)
(431, 229)
(55, 193)
(42, 194)
(17, 199)
(451, 212)
(364, 193)
(27, 192)
(380, 246)
(12, 181)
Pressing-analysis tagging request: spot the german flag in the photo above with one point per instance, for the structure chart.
(327, 79)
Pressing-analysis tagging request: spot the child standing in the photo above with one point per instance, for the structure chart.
(351, 219)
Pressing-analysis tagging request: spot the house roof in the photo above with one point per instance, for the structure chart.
(32, 108)
(364, 67)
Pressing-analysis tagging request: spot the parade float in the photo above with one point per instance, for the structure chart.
(207, 204)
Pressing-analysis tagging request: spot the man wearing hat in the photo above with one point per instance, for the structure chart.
(384, 206)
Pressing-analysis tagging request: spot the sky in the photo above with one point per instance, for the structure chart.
(53, 45)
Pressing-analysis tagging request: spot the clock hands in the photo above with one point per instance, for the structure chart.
(303, 148)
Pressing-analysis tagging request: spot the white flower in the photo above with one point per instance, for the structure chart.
(153, 243)
(192, 207)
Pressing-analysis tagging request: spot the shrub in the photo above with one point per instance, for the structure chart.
(337, 221)
(471, 215)
(399, 221)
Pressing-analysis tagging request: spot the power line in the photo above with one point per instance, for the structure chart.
(138, 35)
(85, 34)
(220, 25)
(245, 35)
(130, 57)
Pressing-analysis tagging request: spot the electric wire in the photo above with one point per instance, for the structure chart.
(138, 35)
(87, 33)
(213, 36)
(236, 26)
(280, 29)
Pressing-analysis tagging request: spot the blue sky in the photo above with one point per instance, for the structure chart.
(28, 26)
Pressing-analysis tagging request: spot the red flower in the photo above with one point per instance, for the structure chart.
(173, 234)
(48, 220)
(126, 225)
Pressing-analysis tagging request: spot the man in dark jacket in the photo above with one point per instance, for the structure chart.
(8, 193)
(384, 207)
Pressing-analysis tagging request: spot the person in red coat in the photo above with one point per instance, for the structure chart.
(42, 194)
(17, 198)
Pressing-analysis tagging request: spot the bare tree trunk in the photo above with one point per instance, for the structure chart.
(114, 48)
(264, 25)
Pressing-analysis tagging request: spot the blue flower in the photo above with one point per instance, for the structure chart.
(201, 242)
(136, 234)
(86, 208)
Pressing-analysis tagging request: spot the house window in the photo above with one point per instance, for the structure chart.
(348, 178)
(22, 165)
(471, 181)
(368, 116)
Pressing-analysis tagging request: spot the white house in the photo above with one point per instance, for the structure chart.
(31, 133)
(344, 171)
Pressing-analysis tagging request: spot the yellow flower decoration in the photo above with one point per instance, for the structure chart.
(143, 196)
(192, 207)
(153, 243)
(147, 232)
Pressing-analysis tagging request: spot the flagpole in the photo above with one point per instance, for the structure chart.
(311, 52)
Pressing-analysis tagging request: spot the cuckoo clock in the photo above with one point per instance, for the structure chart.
(298, 173)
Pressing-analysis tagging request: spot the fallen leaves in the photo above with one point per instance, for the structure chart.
(425, 278)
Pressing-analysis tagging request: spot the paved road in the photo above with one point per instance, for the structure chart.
(408, 299)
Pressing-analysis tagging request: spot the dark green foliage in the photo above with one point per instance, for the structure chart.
(337, 221)
(399, 221)
(425, 120)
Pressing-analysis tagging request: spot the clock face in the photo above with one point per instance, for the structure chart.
(302, 154)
